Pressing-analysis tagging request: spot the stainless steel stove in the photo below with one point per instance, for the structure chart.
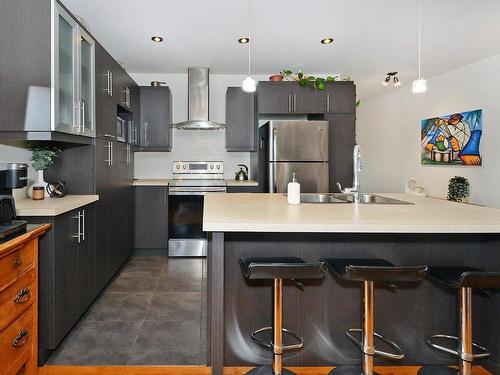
(191, 181)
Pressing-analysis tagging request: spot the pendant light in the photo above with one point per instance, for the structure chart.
(420, 84)
(249, 84)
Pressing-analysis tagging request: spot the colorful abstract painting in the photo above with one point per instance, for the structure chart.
(452, 139)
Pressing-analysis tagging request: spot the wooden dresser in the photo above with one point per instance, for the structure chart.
(19, 302)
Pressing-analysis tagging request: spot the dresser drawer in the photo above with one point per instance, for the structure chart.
(16, 343)
(17, 298)
(15, 263)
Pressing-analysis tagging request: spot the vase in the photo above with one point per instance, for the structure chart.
(39, 182)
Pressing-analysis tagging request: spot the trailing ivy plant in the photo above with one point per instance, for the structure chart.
(318, 83)
(458, 189)
(43, 155)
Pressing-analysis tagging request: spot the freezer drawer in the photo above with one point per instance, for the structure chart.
(298, 141)
(313, 177)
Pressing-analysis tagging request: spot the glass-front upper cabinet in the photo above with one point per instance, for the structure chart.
(73, 74)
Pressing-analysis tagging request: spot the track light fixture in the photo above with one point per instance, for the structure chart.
(394, 77)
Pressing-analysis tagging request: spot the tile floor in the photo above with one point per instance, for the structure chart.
(152, 313)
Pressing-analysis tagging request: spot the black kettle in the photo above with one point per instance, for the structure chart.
(242, 175)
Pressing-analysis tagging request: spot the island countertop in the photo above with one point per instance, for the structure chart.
(244, 212)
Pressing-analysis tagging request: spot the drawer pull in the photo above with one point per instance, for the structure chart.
(23, 296)
(20, 339)
(18, 262)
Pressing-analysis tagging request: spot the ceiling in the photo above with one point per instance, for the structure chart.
(372, 37)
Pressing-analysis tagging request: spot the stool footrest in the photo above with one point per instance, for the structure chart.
(468, 357)
(398, 352)
(270, 345)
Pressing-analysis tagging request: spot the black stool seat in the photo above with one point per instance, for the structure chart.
(465, 277)
(287, 268)
(378, 270)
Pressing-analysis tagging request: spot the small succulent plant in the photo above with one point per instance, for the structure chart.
(458, 189)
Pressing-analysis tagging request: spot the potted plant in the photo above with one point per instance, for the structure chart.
(458, 189)
(43, 156)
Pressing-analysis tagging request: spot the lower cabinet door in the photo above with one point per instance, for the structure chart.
(87, 290)
(151, 217)
(65, 276)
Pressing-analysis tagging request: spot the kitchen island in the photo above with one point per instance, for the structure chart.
(428, 231)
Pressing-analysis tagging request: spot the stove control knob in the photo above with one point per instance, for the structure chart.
(211, 166)
(184, 166)
(177, 166)
(218, 166)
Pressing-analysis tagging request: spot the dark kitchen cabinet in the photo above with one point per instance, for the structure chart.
(244, 189)
(291, 98)
(134, 133)
(241, 120)
(342, 138)
(341, 97)
(151, 217)
(67, 274)
(155, 118)
(106, 94)
(274, 97)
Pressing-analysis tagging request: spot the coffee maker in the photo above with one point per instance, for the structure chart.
(12, 176)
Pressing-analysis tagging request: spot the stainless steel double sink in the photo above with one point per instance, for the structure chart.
(348, 198)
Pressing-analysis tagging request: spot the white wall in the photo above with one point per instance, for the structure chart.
(187, 144)
(389, 132)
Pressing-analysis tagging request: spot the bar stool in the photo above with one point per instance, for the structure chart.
(464, 279)
(369, 271)
(279, 269)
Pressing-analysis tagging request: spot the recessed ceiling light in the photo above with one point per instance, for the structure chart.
(244, 40)
(327, 41)
(157, 39)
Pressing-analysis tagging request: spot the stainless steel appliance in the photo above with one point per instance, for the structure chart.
(300, 147)
(198, 102)
(12, 176)
(191, 181)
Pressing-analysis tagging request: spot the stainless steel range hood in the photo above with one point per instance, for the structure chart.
(198, 102)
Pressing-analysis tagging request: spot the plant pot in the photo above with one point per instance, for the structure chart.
(276, 78)
(39, 182)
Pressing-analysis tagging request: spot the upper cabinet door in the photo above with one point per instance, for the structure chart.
(156, 118)
(73, 105)
(341, 97)
(274, 97)
(65, 75)
(241, 120)
(307, 100)
(87, 84)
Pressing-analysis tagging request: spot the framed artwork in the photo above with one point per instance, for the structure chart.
(452, 139)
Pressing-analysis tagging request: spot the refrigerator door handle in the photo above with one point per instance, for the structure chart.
(274, 145)
(272, 178)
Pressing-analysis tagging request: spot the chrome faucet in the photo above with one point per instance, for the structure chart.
(354, 190)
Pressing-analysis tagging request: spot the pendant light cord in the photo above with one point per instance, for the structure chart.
(419, 40)
(249, 35)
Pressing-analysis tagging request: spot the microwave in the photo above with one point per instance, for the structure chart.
(121, 129)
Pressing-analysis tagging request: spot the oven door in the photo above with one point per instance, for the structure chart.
(185, 221)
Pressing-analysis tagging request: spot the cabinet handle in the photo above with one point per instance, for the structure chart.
(109, 136)
(83, 117)
(108, 147)
(78, 235)
(289, 102)
(165, 196)
(327, 103)
(111, 83)
(23, 296)
(83, 225)
(294, 102)
(111, 153)
(77, 113)
(146, 142)
(20, 339)
(17, 263)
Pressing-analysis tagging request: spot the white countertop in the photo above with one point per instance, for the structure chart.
(151, 182)
(166, 181)
(233, 182)
(52, 206)
(245, 212)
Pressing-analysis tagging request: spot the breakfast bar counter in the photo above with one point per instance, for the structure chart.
(428, 231)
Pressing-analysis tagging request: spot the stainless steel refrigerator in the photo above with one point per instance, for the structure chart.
(300, 147)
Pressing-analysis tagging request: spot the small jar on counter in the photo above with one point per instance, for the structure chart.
(38, 193)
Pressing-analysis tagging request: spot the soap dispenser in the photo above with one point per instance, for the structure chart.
(293, 191)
